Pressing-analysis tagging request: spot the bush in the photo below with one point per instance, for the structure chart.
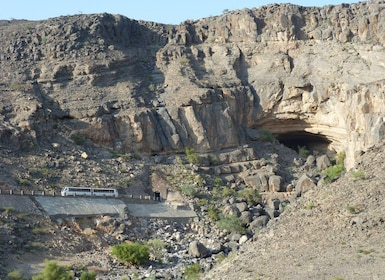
(189, 190)
(340, 158)
(88, 275)
(156, 247)
(191, 155)
(252, 196)
(309, 206)
(231, 223)
(213, 214)
(78, 139)
(359, 175)
(223, 192)
(351, 209)
(302, 151)
(267, 136)
(132, 253)
(52, 271)
(15, 275)
(333, 172)
(191, 272)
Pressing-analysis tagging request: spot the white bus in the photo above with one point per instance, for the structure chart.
(75, 191)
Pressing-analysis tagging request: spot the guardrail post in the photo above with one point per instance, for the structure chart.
(32, 192)
(21, 192)
(10, 191)
(42, 193)
(0, 191)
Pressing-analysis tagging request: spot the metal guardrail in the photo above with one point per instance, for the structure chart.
(55, 193)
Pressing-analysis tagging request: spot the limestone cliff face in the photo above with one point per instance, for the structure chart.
(140, 86)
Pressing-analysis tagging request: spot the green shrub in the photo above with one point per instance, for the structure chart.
(24, 182)
(15, 275)
(16, 87)
(252, 196)
(8, 209)
(192, 271)
(333, 172)
(340, 158)
(189, 190)
(39, 230)
(152, 87)
(213, 214)
(231, 223)
(52, 271)
(303, 152)
(223, 192)
(309, 206)
(88, 275)
(217, 182)
(156, 247)
(358, 175)
(191, 155)
(132, 253)
(78, 139)
(267, 136)
(351, 209)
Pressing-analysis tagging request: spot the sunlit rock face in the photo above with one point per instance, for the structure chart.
(309, 75)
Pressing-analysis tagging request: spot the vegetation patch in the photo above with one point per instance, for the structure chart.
(359, 175)
(192, 271)
(309, 206)
(251, 196)
(132, 253)
(303, 151)
(189, 190)
(267, 136)
(191, 155)
(333, 172)
(78, 139)
(231, 223)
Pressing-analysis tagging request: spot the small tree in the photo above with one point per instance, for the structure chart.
(52, 271)
(132, 253)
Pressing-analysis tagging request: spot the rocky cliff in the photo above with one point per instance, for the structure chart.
(305, 74)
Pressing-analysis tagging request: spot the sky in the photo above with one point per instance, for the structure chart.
(162, 11)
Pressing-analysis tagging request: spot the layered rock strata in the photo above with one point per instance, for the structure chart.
(207, 84)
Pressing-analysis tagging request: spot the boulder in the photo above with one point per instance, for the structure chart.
(242, 206)
(231, 210)
(322, 162)
(198, 250)
(310, 161)
(304, 184)
(259, 222)
(246, 217)
(258, 181)
(275, 183)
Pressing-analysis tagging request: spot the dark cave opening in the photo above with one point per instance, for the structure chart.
(300, 139)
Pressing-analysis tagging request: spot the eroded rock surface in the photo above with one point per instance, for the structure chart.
(153, 88)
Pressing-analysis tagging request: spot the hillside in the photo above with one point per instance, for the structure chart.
(243, 114)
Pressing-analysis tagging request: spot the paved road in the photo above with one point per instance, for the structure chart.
(159, 210)
(87, 206)
(79, 206)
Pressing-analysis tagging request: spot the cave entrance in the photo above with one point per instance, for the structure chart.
(314, 143)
